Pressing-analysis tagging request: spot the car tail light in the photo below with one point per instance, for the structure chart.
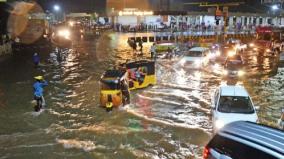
(206, 153)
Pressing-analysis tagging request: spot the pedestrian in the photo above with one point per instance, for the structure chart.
(38, 92)
(134, 46)
(153, 50)
(140, 75)
(36, 59)
(141, 45)
(174, 52)
(169, 53)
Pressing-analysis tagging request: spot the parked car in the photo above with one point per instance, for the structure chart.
(246, 140)
(232, 103)
(195, 58)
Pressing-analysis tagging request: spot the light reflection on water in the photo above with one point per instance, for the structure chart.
(169, 120)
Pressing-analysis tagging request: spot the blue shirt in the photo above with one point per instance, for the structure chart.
(38, 88)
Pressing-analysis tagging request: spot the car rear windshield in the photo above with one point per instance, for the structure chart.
(235, 149)
(194, 54)
(229, 104)
(233, 65)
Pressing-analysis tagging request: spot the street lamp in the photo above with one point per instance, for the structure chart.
(274, 7)
(56, 7)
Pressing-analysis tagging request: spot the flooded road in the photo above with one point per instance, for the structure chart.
(169, 120)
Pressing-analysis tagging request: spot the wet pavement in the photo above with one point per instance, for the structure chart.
(169, 120)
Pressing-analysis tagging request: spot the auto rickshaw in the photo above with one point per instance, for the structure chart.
(141, 74)
(114, 89)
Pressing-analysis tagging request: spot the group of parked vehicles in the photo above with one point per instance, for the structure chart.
(236, 131)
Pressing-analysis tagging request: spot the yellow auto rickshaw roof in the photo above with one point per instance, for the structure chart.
(113, 74)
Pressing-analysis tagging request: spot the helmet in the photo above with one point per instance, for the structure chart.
(38, 78)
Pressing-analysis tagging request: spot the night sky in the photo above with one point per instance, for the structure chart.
(75, 5)
(100, 5)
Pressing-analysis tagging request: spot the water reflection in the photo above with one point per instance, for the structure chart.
(169, 120)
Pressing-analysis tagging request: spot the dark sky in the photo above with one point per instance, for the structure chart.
(100, 5)
(251, 6)
(75, 5)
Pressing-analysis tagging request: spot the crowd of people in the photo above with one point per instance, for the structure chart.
(134, 43)
(173, 27)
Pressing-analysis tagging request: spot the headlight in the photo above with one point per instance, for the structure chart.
(267, 50)
(182, 62)
(255, 49)
(211, 55)
(71, 23)
(241, 73)
(218, 53)
(238, 46)
(251, 45)
(225, 72)
(231, 53)
(64, 33)
(219, 124)
(197, 63)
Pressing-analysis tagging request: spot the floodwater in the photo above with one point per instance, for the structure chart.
(169, 120)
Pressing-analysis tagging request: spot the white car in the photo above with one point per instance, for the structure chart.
(195, 57)
(232, 103)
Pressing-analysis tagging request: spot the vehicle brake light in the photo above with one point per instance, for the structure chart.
(206, 153)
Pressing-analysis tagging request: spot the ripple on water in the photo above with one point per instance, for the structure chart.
(72, 143)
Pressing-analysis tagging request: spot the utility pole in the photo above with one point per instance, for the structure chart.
(219, 13)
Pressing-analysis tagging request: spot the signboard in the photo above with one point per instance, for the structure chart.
(271, 1)
(260, 30)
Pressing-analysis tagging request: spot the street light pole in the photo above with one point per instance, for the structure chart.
(56, 8)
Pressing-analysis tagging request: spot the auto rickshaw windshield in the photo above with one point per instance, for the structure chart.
(110, 85)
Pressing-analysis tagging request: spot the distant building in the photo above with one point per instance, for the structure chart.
(121, 4)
